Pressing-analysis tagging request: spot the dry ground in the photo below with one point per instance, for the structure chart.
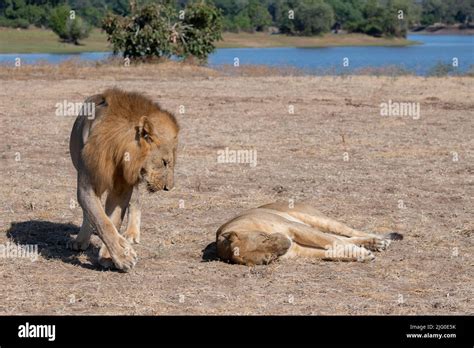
(401, 174)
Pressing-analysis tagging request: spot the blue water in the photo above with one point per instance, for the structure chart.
(419, 58)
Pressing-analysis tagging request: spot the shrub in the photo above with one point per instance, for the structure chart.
(14, 23)
(202, 27)
(68, 28)
(144, 34)
(155, 31)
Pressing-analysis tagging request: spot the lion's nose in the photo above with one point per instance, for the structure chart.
(168, 188)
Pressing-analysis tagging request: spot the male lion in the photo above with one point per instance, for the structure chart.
(129, 140)
(261, 235)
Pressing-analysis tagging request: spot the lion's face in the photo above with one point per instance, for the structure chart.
(157, 170)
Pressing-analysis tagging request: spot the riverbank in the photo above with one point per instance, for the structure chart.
(261, 40)
(45, 41)
(443, 29)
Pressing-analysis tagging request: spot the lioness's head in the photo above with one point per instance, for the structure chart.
(251, 248)
(158, 138)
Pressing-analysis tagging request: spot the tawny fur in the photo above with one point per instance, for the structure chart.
(129, 140)
(104, 152)
(278, 230)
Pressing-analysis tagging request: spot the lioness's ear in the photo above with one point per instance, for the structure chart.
(145, 127)
(232, 236)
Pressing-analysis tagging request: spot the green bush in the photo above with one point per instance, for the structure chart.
(14, 23)
(156, 31)
(145, 34)
(67, 28)
(202, 27)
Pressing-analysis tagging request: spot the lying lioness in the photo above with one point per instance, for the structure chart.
(261, 235)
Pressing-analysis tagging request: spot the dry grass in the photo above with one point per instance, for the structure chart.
(300, 157)
(111, 70)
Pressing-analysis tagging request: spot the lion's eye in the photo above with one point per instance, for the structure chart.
(147, 137)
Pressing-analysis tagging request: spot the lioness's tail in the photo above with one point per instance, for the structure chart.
(393, 236)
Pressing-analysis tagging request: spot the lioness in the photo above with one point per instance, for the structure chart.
(261, 235)
(129, 140)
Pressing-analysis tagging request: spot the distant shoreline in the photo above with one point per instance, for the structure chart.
(463, 32)
(45, 41)
(442, 29)
(265, 40)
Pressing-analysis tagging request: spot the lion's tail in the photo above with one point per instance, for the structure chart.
(393, 236)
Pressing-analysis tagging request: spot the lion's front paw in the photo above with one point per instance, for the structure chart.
(105, 260)
(122, 254)
(132, 235)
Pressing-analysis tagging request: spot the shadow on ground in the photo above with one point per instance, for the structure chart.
(210, 253)
(52, 239)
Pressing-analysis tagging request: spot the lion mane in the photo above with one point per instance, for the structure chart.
(114, 151)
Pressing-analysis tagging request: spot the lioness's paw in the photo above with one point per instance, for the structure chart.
(78, 244)
(123, 255)
(378, 244)
(132, 235)
(365, 255)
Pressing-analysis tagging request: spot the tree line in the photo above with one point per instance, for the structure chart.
(295, 17)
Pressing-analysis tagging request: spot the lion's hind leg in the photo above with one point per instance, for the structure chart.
(83, 238)
(314, 218)
(338, 252)
(310, 242)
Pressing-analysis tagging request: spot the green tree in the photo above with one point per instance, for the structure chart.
(433, 11)
(311, 17)
(68, 26)
(347, 12)
(144, 34)
(259, 16)
(202, 26)
(155, 30)
(242, 22)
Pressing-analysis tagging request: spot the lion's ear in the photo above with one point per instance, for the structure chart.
(98, 99)
(145, 127)
(93, 106)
